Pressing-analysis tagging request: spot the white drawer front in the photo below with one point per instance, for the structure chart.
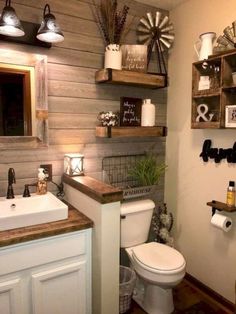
(38, 252)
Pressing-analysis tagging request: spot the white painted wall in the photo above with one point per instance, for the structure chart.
(190, 183)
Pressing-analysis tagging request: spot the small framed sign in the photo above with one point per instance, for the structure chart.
(130, 111)
(134, 58)
(204, 82)
(230, 116)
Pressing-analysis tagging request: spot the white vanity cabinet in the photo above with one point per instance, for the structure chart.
(47, 276)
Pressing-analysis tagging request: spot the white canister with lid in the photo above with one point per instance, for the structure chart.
(148, 113)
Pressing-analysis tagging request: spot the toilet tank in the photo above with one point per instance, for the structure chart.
(135, 222)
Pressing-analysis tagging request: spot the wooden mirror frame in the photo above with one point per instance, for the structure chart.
(39, 137)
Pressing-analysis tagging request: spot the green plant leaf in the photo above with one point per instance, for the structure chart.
(147, 171)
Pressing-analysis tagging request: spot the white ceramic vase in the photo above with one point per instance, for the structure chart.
(113, 57)
(148, 113)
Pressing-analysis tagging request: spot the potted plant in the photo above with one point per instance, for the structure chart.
(147, 171)
(111, 22)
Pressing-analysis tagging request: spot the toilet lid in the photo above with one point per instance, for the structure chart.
(158, 256)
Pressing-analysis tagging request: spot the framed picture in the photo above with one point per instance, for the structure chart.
(230, 116)
(134, 58)
(130, 111)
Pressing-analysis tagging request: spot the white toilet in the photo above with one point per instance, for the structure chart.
(158, 266)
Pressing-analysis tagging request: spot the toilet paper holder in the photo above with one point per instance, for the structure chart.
(214, 209)
(219, 206)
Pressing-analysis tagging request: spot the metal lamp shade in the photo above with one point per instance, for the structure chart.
(10, 24)
(49, 30)
(73, 164)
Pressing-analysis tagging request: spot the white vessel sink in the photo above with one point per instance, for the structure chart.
(27, 211)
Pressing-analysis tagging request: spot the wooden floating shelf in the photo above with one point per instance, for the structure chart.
(109, 132)
(221, 206)
(146, 80)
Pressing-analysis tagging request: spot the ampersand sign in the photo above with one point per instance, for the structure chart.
(202, 110)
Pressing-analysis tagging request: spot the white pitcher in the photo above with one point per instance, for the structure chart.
(204, 46)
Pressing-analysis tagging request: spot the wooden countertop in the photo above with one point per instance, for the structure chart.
(76, 221)
(98, 190)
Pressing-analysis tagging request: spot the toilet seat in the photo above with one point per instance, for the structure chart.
(158, 258)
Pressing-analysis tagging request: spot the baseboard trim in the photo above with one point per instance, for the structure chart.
(211, 293)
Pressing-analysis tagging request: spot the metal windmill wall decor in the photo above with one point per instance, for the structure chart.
(157, 34)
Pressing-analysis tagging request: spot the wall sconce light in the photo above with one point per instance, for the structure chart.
(14, 30)
(9, 22)
(49, 30)
(74, 164)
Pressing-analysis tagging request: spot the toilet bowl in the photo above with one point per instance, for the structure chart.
(159, 267)
(157, 262)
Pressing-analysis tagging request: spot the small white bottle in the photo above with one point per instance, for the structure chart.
(148, 113)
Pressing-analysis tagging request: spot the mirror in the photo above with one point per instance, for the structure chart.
(23, 100)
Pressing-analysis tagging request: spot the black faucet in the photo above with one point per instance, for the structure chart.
(26, 192)
(11, 180)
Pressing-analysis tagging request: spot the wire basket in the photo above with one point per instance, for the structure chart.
(116, 172)
(127, 283)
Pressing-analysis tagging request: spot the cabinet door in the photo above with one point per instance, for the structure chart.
(10, 297)
(60, 290)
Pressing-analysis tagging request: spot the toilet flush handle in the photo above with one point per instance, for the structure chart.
(122, 216)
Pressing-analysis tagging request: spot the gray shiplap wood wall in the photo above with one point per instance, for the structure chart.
(74, 99)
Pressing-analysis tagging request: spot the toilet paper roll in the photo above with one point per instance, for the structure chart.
(222, 222)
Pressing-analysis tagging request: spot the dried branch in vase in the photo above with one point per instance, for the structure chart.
(110, 20)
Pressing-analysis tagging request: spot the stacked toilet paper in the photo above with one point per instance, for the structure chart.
(222, 222)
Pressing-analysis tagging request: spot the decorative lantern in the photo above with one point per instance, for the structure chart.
(73, 164)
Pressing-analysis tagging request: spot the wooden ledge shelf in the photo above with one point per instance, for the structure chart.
(146, 80)
(129, 131)
(97, 190)
(221, 206)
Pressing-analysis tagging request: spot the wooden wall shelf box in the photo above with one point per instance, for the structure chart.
(111, 76)
(221, 206)
(222, 91)
(109, 132)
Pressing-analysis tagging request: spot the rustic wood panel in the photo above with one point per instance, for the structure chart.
(74, 98)
(29, 172)
(60, 72)
(110, 149)
(67, 121)
(53, 152)
(82, 105)
(75, 136)
(80, 41)
(80, 90)
(136, 8)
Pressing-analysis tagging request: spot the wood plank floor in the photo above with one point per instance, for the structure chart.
(186, 295)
